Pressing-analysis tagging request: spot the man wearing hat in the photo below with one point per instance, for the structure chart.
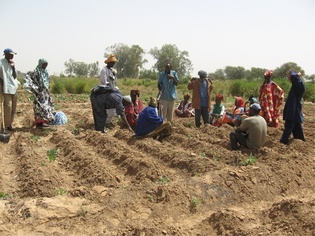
(8, 87)
(252, 132)
(108, 78)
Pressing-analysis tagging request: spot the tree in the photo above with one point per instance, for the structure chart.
(130, 59)
(81, 69)
(171, 54)
(218, 74)
(93, 69)
(234, 72)
(70, 67)
(281, 72)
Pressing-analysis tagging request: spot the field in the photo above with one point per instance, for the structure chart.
(72, 180)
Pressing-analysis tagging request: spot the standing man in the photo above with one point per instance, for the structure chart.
(292, 112)
(9, 86)
(201, 97)
(167, 83)
(108, 78)
(252, 132)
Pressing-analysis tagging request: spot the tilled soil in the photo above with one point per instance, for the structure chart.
(116, 184)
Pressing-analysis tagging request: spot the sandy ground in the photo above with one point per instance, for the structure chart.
(114, 184)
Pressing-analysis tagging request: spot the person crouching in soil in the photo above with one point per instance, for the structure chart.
(103, 98)
(151, 125)
(184, 108)
(252, 132)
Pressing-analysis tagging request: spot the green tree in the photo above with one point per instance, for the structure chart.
(130, 59)
(70, 67)
(81, 69)
(93, 69)
(169, 53)
(218, 74)
(281, 72)
(234, 72)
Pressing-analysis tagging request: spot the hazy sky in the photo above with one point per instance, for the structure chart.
(216, 33)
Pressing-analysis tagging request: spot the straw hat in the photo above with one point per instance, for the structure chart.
(111, 58)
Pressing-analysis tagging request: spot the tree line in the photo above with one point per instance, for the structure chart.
(132, 59)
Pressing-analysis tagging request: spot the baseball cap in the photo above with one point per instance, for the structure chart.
(255, 107)
(8, 51)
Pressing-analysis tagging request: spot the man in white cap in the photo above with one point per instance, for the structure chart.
(8, 87)
(252, 132)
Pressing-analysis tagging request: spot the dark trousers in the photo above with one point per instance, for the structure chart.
(237, 137)
(203, 111)
(292, 127)
(99, 114)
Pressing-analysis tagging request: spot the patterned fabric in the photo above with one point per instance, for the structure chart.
(271, 98)
(43, 73)
(34, 82)
(60, 119)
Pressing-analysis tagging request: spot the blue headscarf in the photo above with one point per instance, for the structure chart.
(202, 74)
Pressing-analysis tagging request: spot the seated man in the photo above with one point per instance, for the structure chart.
(235, 117)
(252, 132)
(217, 111)
(151, 125)
(184, 109)
(103, 98)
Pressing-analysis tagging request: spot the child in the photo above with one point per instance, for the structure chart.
(217, 111)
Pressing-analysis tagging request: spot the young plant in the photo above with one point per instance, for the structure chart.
(4, 196)
(249, 161)
(35, 137)
(52, 154)
(163, 180)
(61, 192)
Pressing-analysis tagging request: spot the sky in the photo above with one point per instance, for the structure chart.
(215, 33)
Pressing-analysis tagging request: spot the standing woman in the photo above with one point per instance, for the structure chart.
(37, 82)
(292, 113)
(270, 98)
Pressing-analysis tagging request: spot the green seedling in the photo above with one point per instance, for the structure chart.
(163, 180)
(4, 196)
(194, 202)
(52, 154)
(61, 192)
(249, 161)
(35, 137)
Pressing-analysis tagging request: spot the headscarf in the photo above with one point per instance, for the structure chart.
(187, 96)
(202, 74)
(268, 73)
(135, 91)
(294, 75)
(43, 73)
(239, 102)
(219, 97)
(152, 102)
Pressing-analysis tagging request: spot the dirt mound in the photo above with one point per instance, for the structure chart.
(72, 180)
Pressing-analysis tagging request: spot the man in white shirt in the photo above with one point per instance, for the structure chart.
(8, 87)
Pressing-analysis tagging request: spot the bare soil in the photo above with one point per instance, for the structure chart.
(115, 184)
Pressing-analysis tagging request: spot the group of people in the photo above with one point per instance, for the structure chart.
(36, 82)
(155, 119)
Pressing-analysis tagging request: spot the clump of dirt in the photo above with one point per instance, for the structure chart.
(72, 180)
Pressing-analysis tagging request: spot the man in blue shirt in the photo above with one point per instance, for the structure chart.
(167, 83)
